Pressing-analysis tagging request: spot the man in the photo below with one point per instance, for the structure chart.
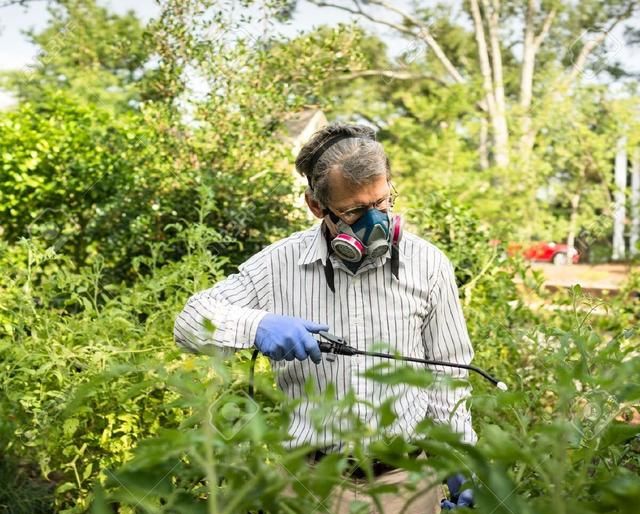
(356, 275)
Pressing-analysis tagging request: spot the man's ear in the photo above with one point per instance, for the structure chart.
(316, 207)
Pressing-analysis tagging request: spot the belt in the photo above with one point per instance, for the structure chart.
(378, 467)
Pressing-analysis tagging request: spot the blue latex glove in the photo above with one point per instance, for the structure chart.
(458, 499)
(286, 337)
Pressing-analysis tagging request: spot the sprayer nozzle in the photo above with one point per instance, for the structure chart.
(502, 386)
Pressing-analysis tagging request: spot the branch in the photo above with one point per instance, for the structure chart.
(392, 74)
(23, 3)
(587, 49)
(423, 30)
(368, 118)
(399, 75)
(360, 12)
(399, 101)
(485, 67)
(425, 34)
(548, 20)
(412, 20)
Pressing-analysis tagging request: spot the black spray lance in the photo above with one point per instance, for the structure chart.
(337, 346)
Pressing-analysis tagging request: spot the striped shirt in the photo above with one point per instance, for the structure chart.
(417, 314)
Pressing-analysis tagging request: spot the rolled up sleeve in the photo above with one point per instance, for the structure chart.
(446, 338)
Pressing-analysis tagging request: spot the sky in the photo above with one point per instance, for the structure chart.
(16, 52)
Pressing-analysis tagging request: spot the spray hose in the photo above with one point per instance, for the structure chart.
(337, 346)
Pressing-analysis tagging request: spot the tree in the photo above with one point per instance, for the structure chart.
(579, 147)
(436, 103)
(103, 176)
(579, 31)
(84, 48)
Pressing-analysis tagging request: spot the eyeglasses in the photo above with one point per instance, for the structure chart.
(350, 216)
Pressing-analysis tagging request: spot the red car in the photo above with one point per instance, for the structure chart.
(543, 251)
(558, 253)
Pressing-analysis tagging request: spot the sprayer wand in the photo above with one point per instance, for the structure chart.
(338, 346)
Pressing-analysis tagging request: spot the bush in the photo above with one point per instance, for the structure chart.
(558, 445)
(103, 186)
(87, 364)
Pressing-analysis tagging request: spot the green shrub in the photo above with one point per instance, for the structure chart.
(86, 364)
(98, 185)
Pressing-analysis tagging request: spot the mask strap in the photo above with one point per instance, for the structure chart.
(328, 268)
(315, 157)
(395, 261)
(332, 215)
(328, 274)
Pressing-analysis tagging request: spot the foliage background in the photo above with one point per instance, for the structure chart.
(123, 192)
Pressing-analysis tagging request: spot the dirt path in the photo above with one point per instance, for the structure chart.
(601, 277)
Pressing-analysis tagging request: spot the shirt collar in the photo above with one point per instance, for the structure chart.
(317, 248)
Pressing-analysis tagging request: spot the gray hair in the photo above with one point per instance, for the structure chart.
(360, 157)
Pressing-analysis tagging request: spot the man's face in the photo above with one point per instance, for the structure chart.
(345, 195)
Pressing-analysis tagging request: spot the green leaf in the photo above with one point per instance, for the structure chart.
(387, 413)
(87, 471)
(618, 432)
(70, 426)
(420, 377)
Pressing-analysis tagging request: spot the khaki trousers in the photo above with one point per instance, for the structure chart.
(414, 496)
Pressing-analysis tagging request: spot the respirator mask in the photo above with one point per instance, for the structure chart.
(371, 235)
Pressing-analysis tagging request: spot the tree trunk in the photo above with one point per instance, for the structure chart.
(526, 87)
(501, 129)
(634, 238)
(619, 198)
(528, 57)
(496, 117)
(532, 43)
(483, 148)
